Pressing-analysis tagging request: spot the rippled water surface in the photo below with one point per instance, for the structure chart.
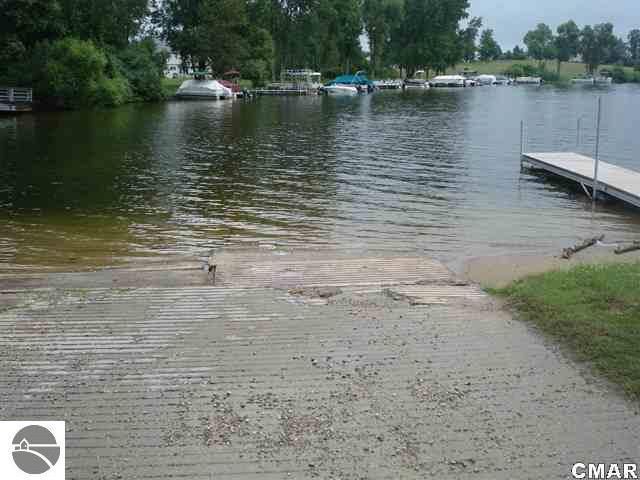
(429, 172)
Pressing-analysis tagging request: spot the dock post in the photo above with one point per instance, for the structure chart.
(578, 131)
(521, 142)
(597, 162)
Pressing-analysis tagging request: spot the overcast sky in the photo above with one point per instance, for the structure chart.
(511, 19)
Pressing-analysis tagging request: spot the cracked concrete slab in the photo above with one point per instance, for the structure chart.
(397, 371)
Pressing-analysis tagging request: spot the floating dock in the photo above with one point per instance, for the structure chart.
(15, 99)
(284, 92)
(618, 182)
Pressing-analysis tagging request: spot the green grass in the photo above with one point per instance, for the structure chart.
(567, 71)
(170, 86)
(594, 310)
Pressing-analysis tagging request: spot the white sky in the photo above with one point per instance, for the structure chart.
(511, 19)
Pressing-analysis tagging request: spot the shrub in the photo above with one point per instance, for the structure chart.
(258, 71)
(143, 67)
(72, 73)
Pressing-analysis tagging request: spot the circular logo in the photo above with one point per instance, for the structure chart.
(35, 450)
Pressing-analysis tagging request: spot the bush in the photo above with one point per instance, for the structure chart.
(258, 71)
(143, 67)
(72, 73)
(526, 70)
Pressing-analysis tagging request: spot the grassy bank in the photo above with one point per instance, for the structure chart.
(567, 71)
(595, 310)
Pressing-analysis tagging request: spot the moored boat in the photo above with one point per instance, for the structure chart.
(583, 80)
(340, 90)
(201, 88)
(502, 80)
(388, 84)
(529, 81)
(418, 81)
(448, 81)
(486, 79)
(345, 85)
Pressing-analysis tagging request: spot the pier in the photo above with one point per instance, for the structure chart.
(618, 182)
(16, 99)
(615, 181)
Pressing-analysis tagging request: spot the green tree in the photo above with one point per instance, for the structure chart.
(567, 42)
(113, 22)
(489, 48)
(468, 37)
(519, 53)
(634, 46)
(209, 33)
(540, 43)
(24, 23)
(380, 17)
(596, 44)
(72, 73)
(429, 35)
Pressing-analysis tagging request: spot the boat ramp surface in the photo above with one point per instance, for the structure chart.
(299, 365)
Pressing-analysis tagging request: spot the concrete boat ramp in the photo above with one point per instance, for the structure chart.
(302, 366)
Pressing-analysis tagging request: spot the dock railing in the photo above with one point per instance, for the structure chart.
(16, 95)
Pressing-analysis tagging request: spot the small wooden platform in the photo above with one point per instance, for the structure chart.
(618, 182)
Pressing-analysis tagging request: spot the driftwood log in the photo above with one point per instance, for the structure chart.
(567, 253)
(629, 248)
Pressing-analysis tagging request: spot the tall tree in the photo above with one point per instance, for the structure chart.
(112, 22)
(540, 43)
(596, 45)
(380, 17)
(489, 48)
(468, 37)
(429, 34)
(567, 42)
(519, 53)
(589, 48)
(634, 46)
(22, 25)
(209, 33)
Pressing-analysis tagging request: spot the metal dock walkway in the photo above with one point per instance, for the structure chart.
(616, 181)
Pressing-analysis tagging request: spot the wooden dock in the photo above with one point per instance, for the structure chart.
(16, 99)
(618, 182)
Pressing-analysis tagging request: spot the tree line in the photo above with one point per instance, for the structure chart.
(84, 52)
(594, 45)
(262, 37)
(79, 52)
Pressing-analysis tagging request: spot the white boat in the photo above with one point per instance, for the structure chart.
(486, 79)
(204, 89)
(388, 84)
(502, 80)
(470, 82)
(529, 81)
(583, 81)
(448, 81)
(416, 83)
(603, 80)
(339, 90)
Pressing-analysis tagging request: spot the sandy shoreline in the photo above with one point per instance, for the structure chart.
(499, 271)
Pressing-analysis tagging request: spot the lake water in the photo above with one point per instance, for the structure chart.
(435, 173)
